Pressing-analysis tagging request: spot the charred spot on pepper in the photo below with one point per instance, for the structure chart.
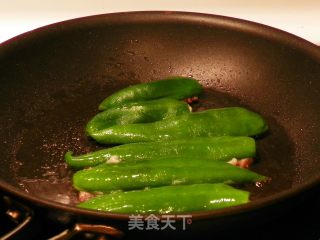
(191, 100)
(242, 163)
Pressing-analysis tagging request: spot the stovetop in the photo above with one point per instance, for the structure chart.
(302, 222)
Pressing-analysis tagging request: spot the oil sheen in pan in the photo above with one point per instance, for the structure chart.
(49, 177)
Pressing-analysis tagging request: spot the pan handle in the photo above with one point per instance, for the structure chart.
(88, 228)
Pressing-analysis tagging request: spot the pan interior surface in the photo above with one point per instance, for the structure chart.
(53, 79)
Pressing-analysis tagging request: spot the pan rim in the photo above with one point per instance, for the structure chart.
(134, 17)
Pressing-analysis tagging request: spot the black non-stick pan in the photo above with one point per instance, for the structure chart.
(52, 80)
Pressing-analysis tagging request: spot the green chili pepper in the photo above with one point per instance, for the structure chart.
(163, 172)
(176, 87)
(215, 148)
(137, 112)
(170, 199)
(234, 121)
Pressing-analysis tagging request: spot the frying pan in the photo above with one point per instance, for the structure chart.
(53, 78)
